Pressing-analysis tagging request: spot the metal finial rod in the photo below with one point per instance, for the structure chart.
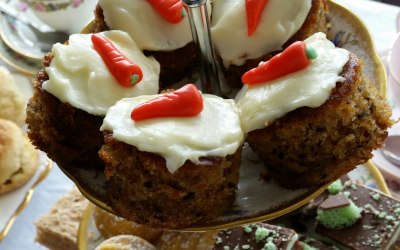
(200, 26)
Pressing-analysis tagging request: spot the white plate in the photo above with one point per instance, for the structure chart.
(28, 66)
(390, 171)
(18, 37)
(12, 203)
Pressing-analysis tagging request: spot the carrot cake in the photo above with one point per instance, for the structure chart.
(172, 169)
(314, 125)
(73, 93)
(247, 32)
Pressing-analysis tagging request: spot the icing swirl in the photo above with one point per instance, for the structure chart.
(79, 76)
(261, 103)
(215, 131)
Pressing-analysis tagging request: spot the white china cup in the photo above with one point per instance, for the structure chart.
(63, 15)
(394, 60)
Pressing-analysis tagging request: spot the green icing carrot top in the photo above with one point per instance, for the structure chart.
(126, 72)
(294, 58)
(171, 10)
(184, 102)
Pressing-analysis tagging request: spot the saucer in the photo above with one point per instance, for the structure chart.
(18, 61)
(14, 202)
(19, 38)
(393, 60)
(389, 170)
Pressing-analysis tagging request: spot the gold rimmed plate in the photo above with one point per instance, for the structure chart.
(14, 202)
(20, 63)
(89, 237)
(349, 32)
(258, 199)
(19, 38)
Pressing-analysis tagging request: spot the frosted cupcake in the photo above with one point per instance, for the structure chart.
(316, 123)
(178, 164)
(74, 91)
(247, 32)
(160, 29)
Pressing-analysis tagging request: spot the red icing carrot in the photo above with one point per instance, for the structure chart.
(171, 10)
(126, 72)
(294, 58)
(254, 10)
(184, 102)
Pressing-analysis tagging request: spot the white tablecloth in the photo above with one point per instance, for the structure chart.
(379, 18)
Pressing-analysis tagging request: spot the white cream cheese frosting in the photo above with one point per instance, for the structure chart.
(279, 21)
(215, 131)
(79, 76)
(149, 30)
(260, 104)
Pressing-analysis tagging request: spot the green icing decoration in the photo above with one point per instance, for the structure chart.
(382, 215)
(134, 79)
(390, 218)
(261, 233)
(338, 218)
(336, 187)
(246, 246)
(306, 246)
(311, 53)
(376, 196)
(269, 246)
(397, 211)
(183, 13)
(226, 248)
(247, 228)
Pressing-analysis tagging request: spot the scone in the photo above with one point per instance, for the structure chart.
(12, 101)
(172, 170)
(74, 90)
(243, 36)
(110, 225)
(175, 240)
(125, 242)
(18, 158)
(312, 126)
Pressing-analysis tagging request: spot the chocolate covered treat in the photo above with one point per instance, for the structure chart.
(256, 236)
(338, 212)
(308, 243)
(378, 227)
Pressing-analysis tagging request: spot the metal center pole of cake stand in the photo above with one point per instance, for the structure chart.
(200, 26)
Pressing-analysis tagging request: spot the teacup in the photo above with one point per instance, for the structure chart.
(63, 15)
(394, 60)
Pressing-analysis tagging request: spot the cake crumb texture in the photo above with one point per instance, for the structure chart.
(141, 188)
(68, 135)
(312, 146)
